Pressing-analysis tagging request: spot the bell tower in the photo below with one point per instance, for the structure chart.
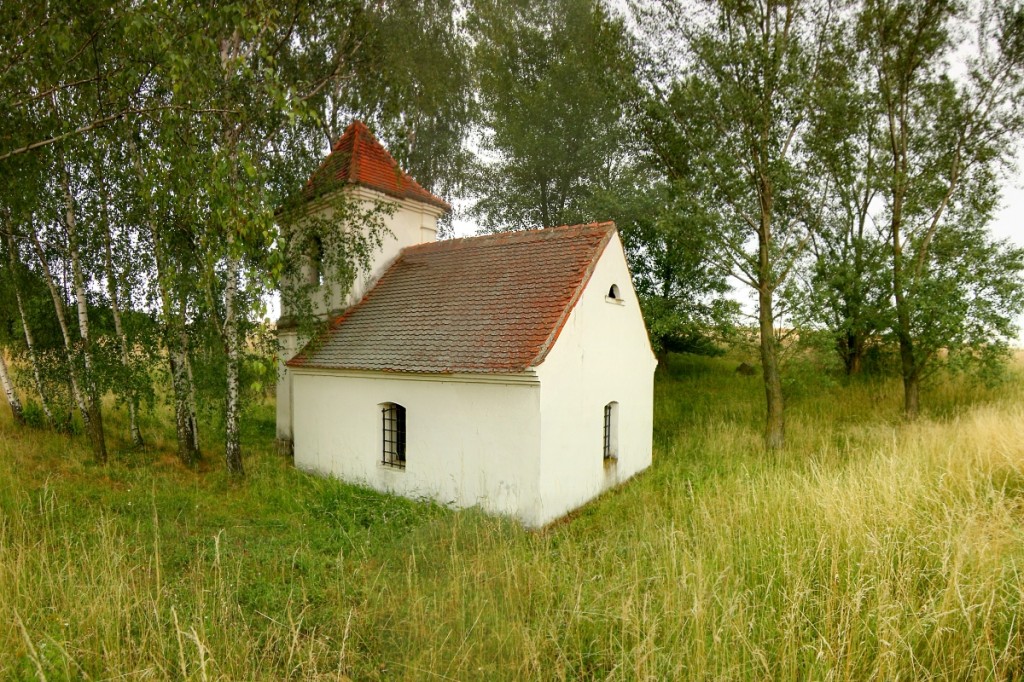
(362, 168)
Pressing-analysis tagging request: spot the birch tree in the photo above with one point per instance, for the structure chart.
(207, 119)
(6, 380)
(158, 194)
(7, 384)
(82, 388)
(258, 69)
(92, 413)
(113, 278)
(15, 271)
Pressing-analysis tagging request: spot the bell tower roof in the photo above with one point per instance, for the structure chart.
(358, 158)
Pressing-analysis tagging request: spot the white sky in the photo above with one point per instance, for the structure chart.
(1010, 222)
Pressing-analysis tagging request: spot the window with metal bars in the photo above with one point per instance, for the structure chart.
(611, 427)
(393, 431)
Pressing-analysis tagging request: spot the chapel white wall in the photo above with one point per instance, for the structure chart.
(467, 443)
(287, 347)
(410, 223)
(602, 355)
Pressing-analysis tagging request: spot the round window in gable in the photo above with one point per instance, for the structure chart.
(613, 293)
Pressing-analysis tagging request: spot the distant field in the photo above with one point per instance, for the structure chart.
(871, 549)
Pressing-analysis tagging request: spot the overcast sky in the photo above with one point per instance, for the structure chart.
(1010, 222)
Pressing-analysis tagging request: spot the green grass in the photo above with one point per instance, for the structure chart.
(870, 549)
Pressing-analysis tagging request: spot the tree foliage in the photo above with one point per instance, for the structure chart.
(945, 140)
(146, 147)
(553, 78)
(729, 128)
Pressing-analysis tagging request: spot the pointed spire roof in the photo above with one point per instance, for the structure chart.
(358, 158)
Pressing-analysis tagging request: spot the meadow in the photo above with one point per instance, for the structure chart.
(869, 549)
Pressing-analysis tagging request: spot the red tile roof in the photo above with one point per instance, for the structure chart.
(491, 304)
(359, 158)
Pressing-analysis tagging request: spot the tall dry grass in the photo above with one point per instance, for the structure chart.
(870, 549)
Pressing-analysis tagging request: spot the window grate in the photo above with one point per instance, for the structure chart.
(608, 431)
(393, 430)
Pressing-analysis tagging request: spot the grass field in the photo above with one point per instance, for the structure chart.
(871, 549)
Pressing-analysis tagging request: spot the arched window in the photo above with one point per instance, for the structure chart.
(392, 435)
(613, 293)
(316, 261)
(611, 430)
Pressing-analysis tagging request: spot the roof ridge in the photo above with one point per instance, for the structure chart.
(522, 235)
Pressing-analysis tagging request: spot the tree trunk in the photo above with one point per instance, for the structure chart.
(187, 451)
(30, 345)
(232, 446)
(181, 377)
(851, 349)
(95, 421)
(856, 364)
(545, 209)
(193, 412)
(774, 435)
(58, 306)
(229, 334)
(912, 396)
(775, 432)
(177, 352)
(122, 338)
(908, 359)
(9, 391)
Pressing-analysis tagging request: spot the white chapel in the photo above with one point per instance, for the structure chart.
(511, 371)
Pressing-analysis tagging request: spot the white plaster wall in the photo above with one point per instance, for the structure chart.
(287, 347)
(602, 355)
(467, 443)
(412, 222)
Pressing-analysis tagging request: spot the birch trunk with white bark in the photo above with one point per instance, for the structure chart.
(58, 306)
(232, 447)
(12, 395)
(186, 432)
(122, 338)
(30, 344)
(94, 425)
